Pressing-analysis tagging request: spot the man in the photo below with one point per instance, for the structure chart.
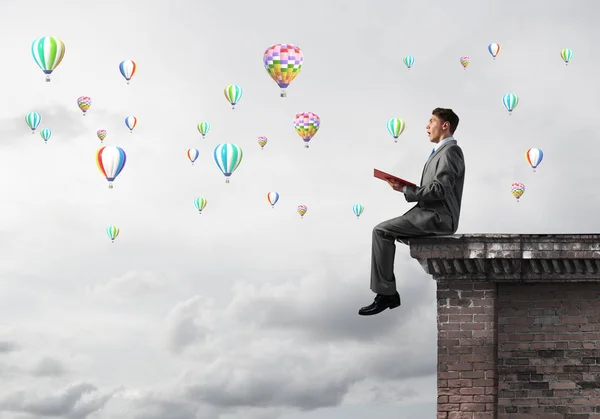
(436, 213)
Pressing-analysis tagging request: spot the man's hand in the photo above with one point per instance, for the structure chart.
(397, 186)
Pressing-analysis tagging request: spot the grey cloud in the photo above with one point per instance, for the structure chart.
(49, 367)
(8, 346)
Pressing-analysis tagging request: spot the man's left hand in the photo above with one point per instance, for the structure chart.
(397, 186)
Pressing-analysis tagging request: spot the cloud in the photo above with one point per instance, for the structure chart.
(49, 367)
(130, 285)
(8, 346)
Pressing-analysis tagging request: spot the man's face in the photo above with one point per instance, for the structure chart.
(435, 128)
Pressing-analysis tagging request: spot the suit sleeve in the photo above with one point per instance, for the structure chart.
(450, 166)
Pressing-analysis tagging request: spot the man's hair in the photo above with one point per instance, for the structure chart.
(447, 115)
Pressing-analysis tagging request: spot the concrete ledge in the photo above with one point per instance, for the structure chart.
(510, 257)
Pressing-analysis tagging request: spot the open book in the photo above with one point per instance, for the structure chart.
(385, 176)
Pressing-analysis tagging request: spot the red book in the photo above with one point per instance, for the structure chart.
(385, 176)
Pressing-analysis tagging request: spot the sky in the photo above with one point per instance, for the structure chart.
(248, 311)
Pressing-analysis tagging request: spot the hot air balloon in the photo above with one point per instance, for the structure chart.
(113, 232)
(200, 203)
(101, 134)
(110, 161)
(233, 93)
(192, 154)
(517, 190)
(566, 54)
(307, 124)
(534, 157)
(262, 141)
(395, 127)
(203, 128)
(48, 52)
(494, 49)
(464, 61)
(131, 122)
(358, 209)
(283, 62)
(46, 133)
(272, 197)
(510, 101)
(33, 120)
(84, 103)
(302, 210)
(227, 157)
(127, 69)
(409, 60)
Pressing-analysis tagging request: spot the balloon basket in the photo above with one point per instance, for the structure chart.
(47, 79)
(226, 180)
(283, 93)
(305, 145)
(84, 114)
(110, 186)
(127, 81)
(32, 132)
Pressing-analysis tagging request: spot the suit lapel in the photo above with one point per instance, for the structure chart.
(433, 155)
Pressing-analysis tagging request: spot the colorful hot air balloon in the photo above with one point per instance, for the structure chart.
(510, 101)
(307, 124)
(233, 93)
(84, 103)
(517, 190)
(200, 203)
(101, 134)
(192, 154)
(227, 157)
(534, 157)
(262, 141)
(113, 232)
(272, 197)
(566, 54)
(302, 210)
(283, 62)
(464, 61)
(110, 161)
(48, 52)
(494, 49)
(203, 128)
(395, 127)
(127, 69)
(358, 209)
(131, 122)
(409, 60)
(33, 120)
(46, 133)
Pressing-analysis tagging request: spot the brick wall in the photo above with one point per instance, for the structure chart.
(549, 351)
(467, 385)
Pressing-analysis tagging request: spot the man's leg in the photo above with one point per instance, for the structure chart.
(383, 281)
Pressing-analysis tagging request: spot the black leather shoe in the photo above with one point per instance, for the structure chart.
(381, 303)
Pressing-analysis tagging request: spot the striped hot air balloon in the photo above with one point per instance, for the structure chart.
(192, 154)
(131, 122)
(494, 49)
(409, 60)
(358, 209)
(510, 102)
(33, 120)
(48, 53)
(200, 203)
(101, 134)
(283, 62)
(46, 133)
(233, 93)
(272, 197)
(203, 128)
(84, 103)
(113, 232)
(566, 54)
(110, 161)
(534, 157)
(227, 157)
(262, 141)
(307, 124)
(302, 210)
(127, 69)
(395, 127)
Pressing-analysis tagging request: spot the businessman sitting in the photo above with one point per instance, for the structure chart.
(436, 213)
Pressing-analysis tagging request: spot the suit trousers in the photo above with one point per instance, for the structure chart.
(383, 252)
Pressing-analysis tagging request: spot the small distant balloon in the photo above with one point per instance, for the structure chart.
(283, 63)
(307, 124)
(358, 209)
(465, 61)
(517, 189)
(227, 157)
(192, 154)
(46, 133)
(510, 102)
(33, 120)
(200, 203)
(534, 157)
(272, 197)
(566, 54)
(127, 69)
(262, 141)
(494, 49)
(101, 134)
(131, 122)
(84, 103)
(302, 210)
(395, 127)
(233, 93)
(113, 232)
(409, 60)
(48, 53)
(203, 128)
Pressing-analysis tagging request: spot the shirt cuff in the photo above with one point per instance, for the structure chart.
(404, 189)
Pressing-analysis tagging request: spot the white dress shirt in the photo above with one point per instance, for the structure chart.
(435, 147)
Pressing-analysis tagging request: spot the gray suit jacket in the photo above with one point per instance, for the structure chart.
(439, 196)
